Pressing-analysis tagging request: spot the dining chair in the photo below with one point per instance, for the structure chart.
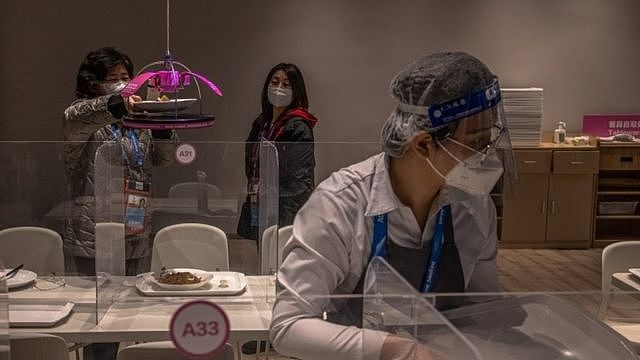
(166, 351)
(190, 190)
(617, 257)
(192, 245)
(272, 246)
(38, 248)
(34, 346)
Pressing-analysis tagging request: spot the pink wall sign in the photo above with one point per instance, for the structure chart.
(609, 125)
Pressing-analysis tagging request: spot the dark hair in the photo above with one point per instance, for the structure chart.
(298, 89)
(95, 67)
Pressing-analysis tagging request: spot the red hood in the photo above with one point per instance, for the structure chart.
(301, 113)
(278, 126)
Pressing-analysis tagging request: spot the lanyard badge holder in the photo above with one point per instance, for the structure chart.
(443, 271)
(137, 194)
(137, 198)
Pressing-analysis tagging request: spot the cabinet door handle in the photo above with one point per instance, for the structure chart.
(529, 161)
(626, 158)
(577, 163)
(553, 207)
(543, 207)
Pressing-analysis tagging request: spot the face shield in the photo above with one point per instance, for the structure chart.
(477, 137)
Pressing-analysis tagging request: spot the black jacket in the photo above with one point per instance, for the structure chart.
(296, 162)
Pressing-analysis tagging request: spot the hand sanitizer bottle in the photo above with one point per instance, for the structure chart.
(560, 133)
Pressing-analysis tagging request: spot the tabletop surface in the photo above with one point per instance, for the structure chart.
(127, 315)
(626, 281)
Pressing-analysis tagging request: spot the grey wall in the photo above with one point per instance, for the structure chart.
(584, 53)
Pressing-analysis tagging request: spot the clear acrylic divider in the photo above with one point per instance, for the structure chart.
(177, 197)
(392, 305)
(525, 326)
(201, 245)
(268, 210)
(109, 234)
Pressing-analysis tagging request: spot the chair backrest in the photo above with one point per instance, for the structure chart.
(191, 245)
(190, 190)
(39, 249)
(272, 246)
(166, 351)
(619, 257)
(33, 346)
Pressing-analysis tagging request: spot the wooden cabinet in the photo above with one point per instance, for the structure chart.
(524, 211)
(551, 204)
(618, 204)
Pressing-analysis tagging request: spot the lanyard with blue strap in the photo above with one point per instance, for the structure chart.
(379, 244)
(135, 143)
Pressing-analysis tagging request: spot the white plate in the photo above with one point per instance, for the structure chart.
(22, 278)
(236, 284)
(160, 106)
(205, 276)
(33, 315)
(635, 272)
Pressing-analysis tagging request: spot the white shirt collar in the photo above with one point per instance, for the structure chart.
(381, 198)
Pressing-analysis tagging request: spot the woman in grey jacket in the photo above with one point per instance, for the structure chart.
(92, 120)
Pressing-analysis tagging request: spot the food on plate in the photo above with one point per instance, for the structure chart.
(178, 277)
(223, 284)
(163, 98)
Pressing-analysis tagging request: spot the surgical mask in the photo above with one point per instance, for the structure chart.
(477, 174)
(279, 96)
(111, 87)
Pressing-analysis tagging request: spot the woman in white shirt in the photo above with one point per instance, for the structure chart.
(440, 161)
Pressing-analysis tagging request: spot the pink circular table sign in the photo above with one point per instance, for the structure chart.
(185, 154)
(199, 328)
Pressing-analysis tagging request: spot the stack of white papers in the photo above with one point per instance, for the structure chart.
(523, 111)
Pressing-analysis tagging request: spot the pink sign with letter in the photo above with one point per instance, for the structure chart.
(611, 124)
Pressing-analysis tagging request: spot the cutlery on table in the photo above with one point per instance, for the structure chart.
(12, 273)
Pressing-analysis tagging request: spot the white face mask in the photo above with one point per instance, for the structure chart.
(477, 174)
(112, 87)
(279, 96)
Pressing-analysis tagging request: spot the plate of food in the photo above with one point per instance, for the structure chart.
(163, 104)
(21, 278)
(180, 278)
(220, 283)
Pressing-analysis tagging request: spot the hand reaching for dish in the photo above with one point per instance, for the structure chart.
(131, 100)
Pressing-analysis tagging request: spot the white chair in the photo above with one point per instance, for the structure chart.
(193, 245)
(272, 246)
(617, 257)
(189, 190)
(39, 249)
(166, 351)
(33, 346)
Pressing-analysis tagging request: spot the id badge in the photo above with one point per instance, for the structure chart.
(254, 187)
(137, 201)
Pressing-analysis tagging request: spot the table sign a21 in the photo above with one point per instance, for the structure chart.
(199, 328)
